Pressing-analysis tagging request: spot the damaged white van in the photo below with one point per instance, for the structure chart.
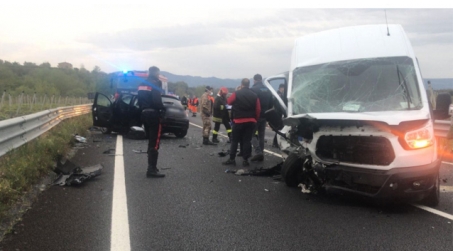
(357, 118)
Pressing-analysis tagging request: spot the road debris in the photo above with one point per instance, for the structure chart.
(136, 132)
(80, 139)
(139, 151)
(70, 174)
(109, 151)
(304, 189)
(266, 190)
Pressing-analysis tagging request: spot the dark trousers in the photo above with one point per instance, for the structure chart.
(153, 130)
(258, 144)
(225, 122)
(242, 133)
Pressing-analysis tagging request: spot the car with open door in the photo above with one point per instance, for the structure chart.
(123, 113)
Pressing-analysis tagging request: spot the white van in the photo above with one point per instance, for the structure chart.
(357, 118)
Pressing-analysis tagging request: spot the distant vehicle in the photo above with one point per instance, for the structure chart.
(358, 119)
(123, 113)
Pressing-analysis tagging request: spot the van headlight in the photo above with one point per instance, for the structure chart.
(420, 138)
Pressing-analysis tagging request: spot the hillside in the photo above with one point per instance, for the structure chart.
(194, 81)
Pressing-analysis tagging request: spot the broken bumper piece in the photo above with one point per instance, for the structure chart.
(413, 183)
(77, 175)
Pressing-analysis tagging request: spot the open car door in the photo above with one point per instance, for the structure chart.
(275, 115)
(102, 111)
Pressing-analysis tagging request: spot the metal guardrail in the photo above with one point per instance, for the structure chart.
(442, 128)
(18, 131)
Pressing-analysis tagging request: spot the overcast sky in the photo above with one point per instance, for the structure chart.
(220, 42)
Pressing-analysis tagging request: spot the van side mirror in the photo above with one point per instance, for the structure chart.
(443, 102)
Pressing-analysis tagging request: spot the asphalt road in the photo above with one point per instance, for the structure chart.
(200, 207)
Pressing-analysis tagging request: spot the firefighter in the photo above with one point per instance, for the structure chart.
(206, 113)
(194, 106)
(152, 108)
(221, 115)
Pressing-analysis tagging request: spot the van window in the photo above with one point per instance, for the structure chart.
(361, 85)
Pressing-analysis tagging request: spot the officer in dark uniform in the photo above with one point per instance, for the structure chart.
(150, 103)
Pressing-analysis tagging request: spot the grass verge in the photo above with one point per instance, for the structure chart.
(26, 165)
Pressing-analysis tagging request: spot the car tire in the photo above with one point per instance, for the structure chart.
(291, 169)
(181, 134)
(106, 130)
(433, 198)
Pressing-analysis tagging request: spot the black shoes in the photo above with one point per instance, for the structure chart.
(214, 139)
(229, 162)
(258, 157)
(153, 172)
(207, 142)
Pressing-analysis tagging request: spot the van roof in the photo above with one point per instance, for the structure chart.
(356, 42)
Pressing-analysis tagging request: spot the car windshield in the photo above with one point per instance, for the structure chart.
(362, 85)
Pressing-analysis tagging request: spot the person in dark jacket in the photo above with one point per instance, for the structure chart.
(266, 101)
(150, 103)
(246, 111)
(221, 115)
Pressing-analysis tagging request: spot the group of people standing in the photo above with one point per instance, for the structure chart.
(248, 105)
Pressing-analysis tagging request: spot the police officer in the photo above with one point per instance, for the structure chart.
(150, 103)
(206, 114)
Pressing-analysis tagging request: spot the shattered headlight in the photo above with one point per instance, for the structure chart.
(420, 138)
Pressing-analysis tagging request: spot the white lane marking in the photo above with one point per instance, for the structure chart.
(446, 189)
(119, 237)
(431, 210)
(434, 211)
(225, 136)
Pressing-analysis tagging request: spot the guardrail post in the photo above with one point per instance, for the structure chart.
(19, 103)
(3, 97)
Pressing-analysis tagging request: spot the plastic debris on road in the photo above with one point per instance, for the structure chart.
(139, 151)
(80, 139)
(304, 188)
(70, 174)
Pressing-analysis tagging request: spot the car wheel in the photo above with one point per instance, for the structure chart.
(106, 130)
(291, 169)
(434, 196)
(181, 134)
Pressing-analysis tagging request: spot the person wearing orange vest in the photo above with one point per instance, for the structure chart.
(194, 106)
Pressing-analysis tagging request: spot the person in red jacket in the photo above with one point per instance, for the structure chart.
(246, 111)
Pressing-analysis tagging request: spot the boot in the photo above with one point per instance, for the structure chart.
(229, 162)
(152, 171)
(214, 139)
(207, 142)
(229, 137)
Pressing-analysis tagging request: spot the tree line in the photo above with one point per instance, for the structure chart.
(181, 89)
(31, 78)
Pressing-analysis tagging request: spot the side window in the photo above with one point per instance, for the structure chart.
(103, 101)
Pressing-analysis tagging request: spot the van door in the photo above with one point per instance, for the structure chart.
(102, 111)
(275, 115)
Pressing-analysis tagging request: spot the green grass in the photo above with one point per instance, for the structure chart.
(26, 165)
(7, 111)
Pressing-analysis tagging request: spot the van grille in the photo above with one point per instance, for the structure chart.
(366, 150)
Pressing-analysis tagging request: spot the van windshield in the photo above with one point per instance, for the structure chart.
(361, 85)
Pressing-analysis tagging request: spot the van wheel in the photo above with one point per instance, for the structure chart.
(106, 130)
(434, 197)
(291, 170)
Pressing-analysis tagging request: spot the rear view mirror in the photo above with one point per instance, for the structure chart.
(443, 102)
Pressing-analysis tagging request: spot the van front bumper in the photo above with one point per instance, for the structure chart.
(409, 183)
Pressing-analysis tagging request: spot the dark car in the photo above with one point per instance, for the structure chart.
(124, 113)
